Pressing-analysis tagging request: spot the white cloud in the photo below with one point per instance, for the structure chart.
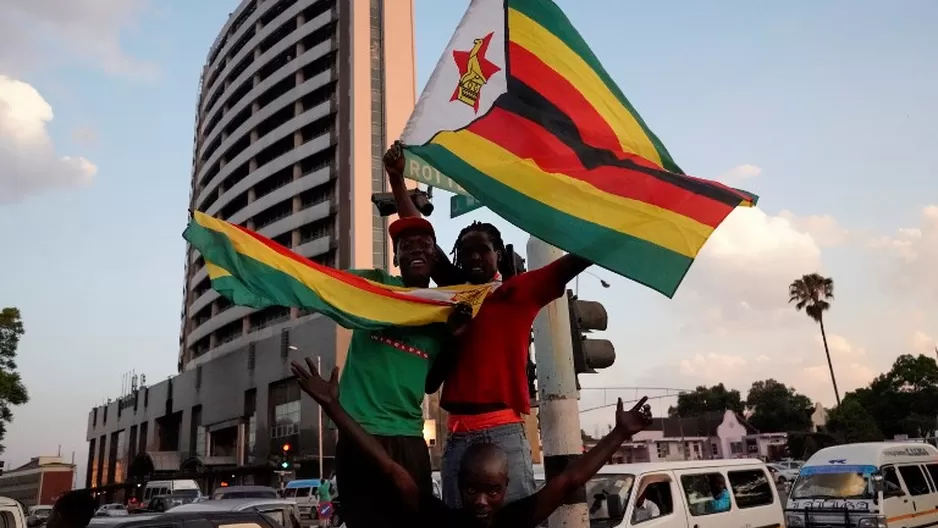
(34, 31)
(825, 229)
(739, 173)
(737, 324)
(27, 153)
(912, 254)
(746, 266)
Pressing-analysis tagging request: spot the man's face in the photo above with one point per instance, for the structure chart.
(415, 256)
(477, 257)
(483, 488)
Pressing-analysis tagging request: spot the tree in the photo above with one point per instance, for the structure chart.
(777, 408)
(703, 400)
(12, 390)
(853, 423)
(903, 400)
(813, 293)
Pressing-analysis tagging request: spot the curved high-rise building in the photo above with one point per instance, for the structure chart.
(297, 103)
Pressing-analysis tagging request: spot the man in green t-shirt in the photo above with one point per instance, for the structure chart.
(382, 387)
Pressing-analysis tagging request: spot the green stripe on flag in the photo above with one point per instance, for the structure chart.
(642, 261)
(553, 19)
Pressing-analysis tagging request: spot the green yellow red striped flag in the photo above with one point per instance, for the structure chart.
(521, 115)
(251, 270)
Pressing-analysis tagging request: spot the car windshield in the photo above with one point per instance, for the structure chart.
(598, 492)
(252, 494)
(834, 483)
(185, 493)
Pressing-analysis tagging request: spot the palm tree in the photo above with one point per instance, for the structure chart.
(813, 293)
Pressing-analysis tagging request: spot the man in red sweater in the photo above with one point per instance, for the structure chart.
(486, 385)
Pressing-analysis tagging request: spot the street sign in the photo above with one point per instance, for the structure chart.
(460, 204)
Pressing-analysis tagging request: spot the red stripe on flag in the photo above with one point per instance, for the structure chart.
(593, 128)
(528, 140)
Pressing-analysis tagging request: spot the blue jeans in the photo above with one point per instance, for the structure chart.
(511, 439)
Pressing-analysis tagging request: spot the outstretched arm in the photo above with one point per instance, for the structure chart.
(326, 393)
(394, 166)
(533, 510)
(569, 266)
(543, 285)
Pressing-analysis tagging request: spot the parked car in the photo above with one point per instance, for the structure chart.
(205, 519)
(164, 503)
(282, 511)
(245, 492)
(111, 510)
(38, 515)
(783, 472)
(181, 487)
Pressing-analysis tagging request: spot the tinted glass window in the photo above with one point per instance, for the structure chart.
(751, 488)
(706, 494)
(7, 520)
(891, 481)
(933, 471)
(276, 516)
(914, 479)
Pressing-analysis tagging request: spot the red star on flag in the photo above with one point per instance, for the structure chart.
(462, 63)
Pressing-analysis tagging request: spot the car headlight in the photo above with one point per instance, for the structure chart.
(872, 522)
(794, 520)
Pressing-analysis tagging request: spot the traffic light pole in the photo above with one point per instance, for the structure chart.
(558, 410)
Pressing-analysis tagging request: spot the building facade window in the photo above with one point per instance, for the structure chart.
(378, 132)
(284, 409)
(286, 419)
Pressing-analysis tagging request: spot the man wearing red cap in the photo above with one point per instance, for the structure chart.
(383, 383)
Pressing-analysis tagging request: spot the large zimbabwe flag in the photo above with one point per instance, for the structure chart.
(521, 114)
(252, 270)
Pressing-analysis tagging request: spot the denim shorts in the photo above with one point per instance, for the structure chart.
(512, 439)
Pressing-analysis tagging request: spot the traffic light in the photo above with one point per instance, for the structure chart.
(513, 263)
(589, 354)
(286, 458)
(387, 206)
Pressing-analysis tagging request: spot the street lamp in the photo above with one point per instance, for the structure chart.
(319, 407)
(602, 282)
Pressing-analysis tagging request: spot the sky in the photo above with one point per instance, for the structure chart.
(826, 110)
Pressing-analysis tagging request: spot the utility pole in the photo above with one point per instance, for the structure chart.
(558, 410)
(319, 450)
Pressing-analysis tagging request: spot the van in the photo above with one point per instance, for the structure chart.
(691, 494)
(182, 488)
(867, 485)
(11, 513)
(306, 494)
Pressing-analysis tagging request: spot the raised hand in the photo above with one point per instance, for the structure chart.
(394, 160)
(635, 419)
(326, 393)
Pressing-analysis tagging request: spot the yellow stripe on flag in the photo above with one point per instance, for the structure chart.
(577, 198)
(344, 296)
(558, 56)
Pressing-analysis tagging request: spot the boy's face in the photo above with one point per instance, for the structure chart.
(482, 488)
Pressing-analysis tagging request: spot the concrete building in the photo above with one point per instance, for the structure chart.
(41, 481)
(718, 434)
(298, 101)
